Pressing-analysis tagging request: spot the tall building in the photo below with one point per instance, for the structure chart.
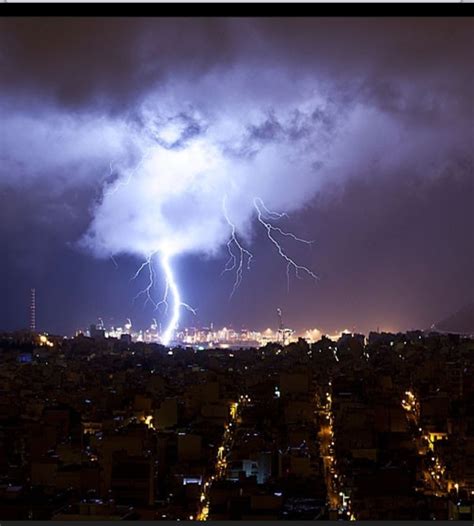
(33, 310)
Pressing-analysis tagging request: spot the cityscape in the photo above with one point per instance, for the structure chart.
(206, 337)
(237, 268)
(376, 427)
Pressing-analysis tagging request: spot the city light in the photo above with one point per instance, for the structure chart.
(210, 337)
(45, 341)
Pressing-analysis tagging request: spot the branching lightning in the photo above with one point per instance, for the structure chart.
(239, 260)
(271, 214)
(151, 281)
(238, 254)
(264, 216)
(119, 184)
(171, 287)
(170, 282)
(235, 262)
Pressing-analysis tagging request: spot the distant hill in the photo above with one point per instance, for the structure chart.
(461, 322)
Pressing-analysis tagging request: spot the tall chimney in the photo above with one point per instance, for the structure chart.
(33, 311)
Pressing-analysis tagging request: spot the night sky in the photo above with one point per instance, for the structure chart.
(120, 136)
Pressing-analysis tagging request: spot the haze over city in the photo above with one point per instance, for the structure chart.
(123, 138)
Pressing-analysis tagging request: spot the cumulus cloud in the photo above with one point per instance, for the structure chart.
(169, 127)
(59, 148)
(238, 146)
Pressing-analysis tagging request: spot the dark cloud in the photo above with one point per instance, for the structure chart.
(104, 62)
(114, 61)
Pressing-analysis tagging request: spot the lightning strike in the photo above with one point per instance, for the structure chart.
(271, 214)
(151, 281)
(236, 261)
(240, 258)
(264, 216)
(238, 254)
(116, 185)
(171, 287)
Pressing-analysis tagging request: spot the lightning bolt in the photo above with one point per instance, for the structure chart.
(235, 261)
(239, 259)
(114, 261)
(147, 264)
(269, 213)
(264, 216)
(238, 254)
(171, 288)
(114, 187)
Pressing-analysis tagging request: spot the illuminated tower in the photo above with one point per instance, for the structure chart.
(284, 334)
(33, 310)
(281, 327)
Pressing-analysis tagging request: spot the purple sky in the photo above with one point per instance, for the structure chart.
(122, 136)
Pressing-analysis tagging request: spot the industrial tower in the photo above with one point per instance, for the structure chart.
(284, 333)
(33, 310)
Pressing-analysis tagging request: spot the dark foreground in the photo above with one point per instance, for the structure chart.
(379, 430)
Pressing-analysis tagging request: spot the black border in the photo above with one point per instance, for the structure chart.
(236, 523)
(235, 9)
